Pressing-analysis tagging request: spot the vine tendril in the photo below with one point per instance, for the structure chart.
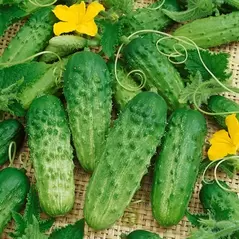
(219, 162)
(26, 163)
(36, 3)
(12, 154)
(158, 7)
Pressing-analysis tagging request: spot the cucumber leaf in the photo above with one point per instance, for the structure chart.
(217, 63)
(75, 231)
(203, 90)
(9, 15)
(111, 33)
(195, 218)
(122, 6)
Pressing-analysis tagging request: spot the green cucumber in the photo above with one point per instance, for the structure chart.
(14, 186)
(121, 95)
(222, 205)
(51, 154)
(148, 18)
(177, 167)
(141, 234)
(160, 75)
(220, 104)
(87, 88)
(11, 130)
(130, 145)
(32, 37)
(211, 31)
(123, 6)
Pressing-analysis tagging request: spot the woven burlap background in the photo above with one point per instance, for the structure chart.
(138, 215)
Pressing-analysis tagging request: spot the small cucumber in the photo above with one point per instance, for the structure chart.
(220, 104)
(11, 130)
(177, 167)
(130, 145)
(14, 186)
(221, 204)
(141, 54)
(87, 88)
(212, 31)
(51, 154)
(32, 37)
(141, 234)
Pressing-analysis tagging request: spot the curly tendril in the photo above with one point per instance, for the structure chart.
(219, 162)
(36, 3)
(158, 7)
(175, 54)
(24, 160)
(12, 149)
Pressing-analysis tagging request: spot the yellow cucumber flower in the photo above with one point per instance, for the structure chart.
(225, 143)
(77, 18)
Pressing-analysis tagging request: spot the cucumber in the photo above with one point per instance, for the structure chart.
(221, 205)
(148, 18)
(123, 6)
(32, 37)
(219, 104)
(121, 95)
(11, 130)
(51, 154)
(177, 166)
(14, 186)
(211, 31)
(87, 88)
(141, 234)
(141, 54)
(129, 147)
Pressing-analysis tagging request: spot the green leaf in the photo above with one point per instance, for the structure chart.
(75, 231)
(203, 90)
(33, 231)
(111, 33)
(195, 218)
(45, 225)
(217, 63)
(20, 225)
(9, 15)
(122, 6)
(32, 207)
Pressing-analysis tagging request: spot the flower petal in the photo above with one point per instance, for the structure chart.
(233, 128)
(221, 145)
(63, 27)
(78, 12)
(63, 13)
(93, 10)
(88, 28)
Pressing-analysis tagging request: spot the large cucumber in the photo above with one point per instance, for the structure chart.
(177, 167)
(220, 104)
(32, 37)
(129, 147)
(141, 54)
(51, 154)
(87, 88)
(10, 131)
(211, 31)
(221, 204)
(14, 186)
(141, 234)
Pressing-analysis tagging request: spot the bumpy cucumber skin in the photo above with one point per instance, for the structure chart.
(219, 104)
(51, 154)
(212, 31)
(177, 167)
(32, 37)
(129, 147)
(87, 88)
(14, 186)
(141, 54)
(11, 130)
(222, 205)
(140, 234)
